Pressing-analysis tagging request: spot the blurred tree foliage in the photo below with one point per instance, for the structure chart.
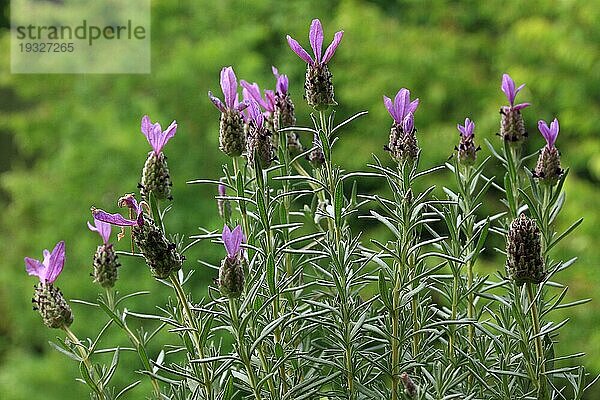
(72, 141)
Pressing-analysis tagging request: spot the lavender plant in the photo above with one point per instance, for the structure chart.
(306, 306)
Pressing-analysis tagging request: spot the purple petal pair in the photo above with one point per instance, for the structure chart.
(508, 87)
(401, 107)
(549, 133)
(316, 42)
(51, 266)
(252, 92)
(233, 241)
(466, 131)
(155, 135)
(466, 150)
(103, 229)
(281, 87)
(229, 86)
(128, 201)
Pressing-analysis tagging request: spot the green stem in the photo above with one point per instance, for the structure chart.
(242, 203)
(242, 349)
(84, 354)
(192, 323)
(539, 349)
(140, 349)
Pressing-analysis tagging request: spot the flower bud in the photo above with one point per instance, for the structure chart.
(52, 306)
(524, 260)
(410, 389)
(512, 127)
(156, 178)
(319, 87)
(105, 266)
(260, 145)
(232, 139)
(403, 144)
(284, 115)
(548, 169)
(316, 156)
(161, 255)
(231, 277)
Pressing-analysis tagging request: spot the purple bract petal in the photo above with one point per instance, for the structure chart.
(466, 130)
(408, 123)
(57, 262)
(232, 240)
(154, 134)
(221, 190)
(229, 86)
(269, 101)
(401, 102)
(549, 133)
(391, 109)
(520, 106)
(337, 38)
(296, 48)
(315, 36)
(508, 87)
(114, 219)
(252, 91)
(103, 229)
(255, 115)
(34, 267)
(217, 102)
(52, 266)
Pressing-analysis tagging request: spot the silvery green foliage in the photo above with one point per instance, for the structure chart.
(320, 310)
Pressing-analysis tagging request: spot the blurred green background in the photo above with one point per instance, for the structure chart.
(71, 141)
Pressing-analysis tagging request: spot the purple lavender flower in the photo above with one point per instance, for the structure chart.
(105, 260)
(318, 85)
(508, 87)
(128, 201)
(51, 266)
(155, 175)
(403, 142)
(252, 91)
(161, 255)
(232, 240)
(548, 169)
(466, 150)
(549, 133)
(316, 42)
(48, 300)
(281, 88)
(512, 127)
(155, 135)
(232, 139)
(284, 115)
(103, 229)
(466, 131)
(231, 273)
(401, 106)
(229, 87)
